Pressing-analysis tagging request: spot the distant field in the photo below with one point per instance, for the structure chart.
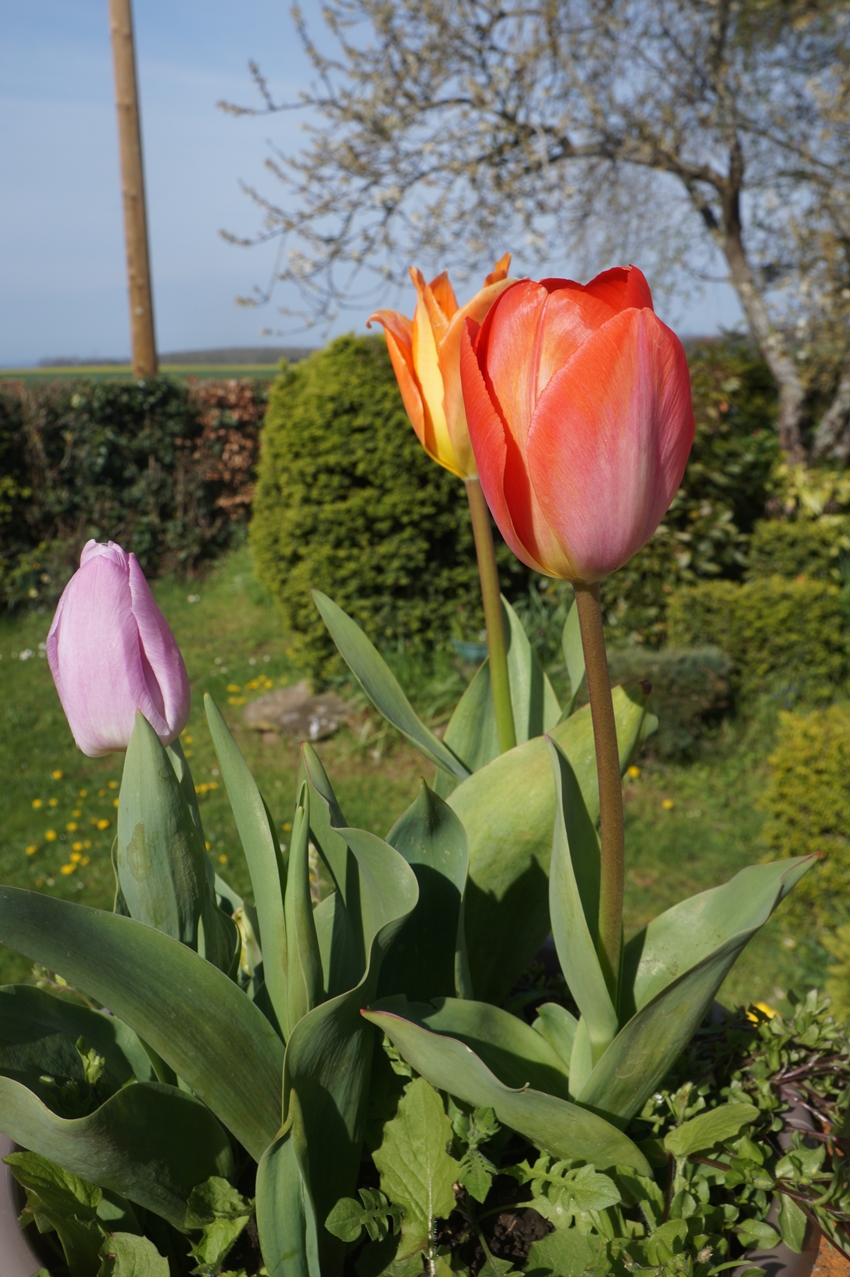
(123, 372)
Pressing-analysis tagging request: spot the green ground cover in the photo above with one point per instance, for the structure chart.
(689, 826)
(123, 372)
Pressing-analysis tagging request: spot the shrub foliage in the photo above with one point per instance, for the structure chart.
(810, 548)
(347, 502)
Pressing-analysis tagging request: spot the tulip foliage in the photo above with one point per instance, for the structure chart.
(247, 1030)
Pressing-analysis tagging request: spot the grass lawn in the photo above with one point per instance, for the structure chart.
(60, 804)
(123, 372)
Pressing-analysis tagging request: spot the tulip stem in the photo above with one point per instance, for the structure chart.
(494, 617)
(611, 829)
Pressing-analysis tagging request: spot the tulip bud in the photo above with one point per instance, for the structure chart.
(111, 652)
(425, 354)
(578, 401)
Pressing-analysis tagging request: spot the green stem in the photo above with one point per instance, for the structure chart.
(493, 615)
(610, 936)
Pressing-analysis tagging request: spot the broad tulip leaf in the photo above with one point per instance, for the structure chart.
(558, 1027)
(304, 963)
(163, 874)
(382, 687)
(646, 1047)
(431, 947)
(286, 1219)
(508, 811)
(38, 1036)
(709, 1128)
(416, 1171)
(573, 650)
(472, 734)
(508, 1046)
(329, 1053)
(262, 852)
(149, 1142)
(691, 930)
(557, 1126)
(574, 906)
(193, 1016)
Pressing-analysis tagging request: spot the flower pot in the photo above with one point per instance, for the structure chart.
(18, 1257)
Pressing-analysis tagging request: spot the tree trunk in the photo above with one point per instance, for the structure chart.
(832, 437)
(781, 364)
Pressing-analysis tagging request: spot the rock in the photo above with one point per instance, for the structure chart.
(298, 713)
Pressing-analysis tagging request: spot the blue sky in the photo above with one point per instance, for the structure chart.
(62, 280)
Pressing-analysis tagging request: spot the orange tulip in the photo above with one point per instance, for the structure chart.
(425, 354)
(579, 407)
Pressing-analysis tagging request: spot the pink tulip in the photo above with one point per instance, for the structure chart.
(578, 401)
(111, 652)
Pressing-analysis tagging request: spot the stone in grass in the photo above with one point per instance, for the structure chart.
(297, 712)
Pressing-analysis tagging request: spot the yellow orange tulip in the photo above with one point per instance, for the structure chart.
(425, 354)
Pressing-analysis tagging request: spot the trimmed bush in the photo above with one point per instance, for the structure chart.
(810, 548)
(348, 502)
(165, 468)
(780, 634)
(690, 692)
(808, 808)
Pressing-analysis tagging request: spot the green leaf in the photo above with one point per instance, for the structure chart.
(125, 1255)
(193, 1016)
(417, 1173)
(508, 811)
(373, 1212)
(682, 936)
(709, 1128)
(431, 947)
(755, 1233)
(566, 1252)
(476, 1173)
(262, 852)
(64, 1202)
(38, 1036)
(574, 907)
(471, 734)
(328, 1063)
(215, 1199)
(303, 963)
(792, 1223)
(286, 1218)
(558, 1126)
(151, 1143)
(558, 1027)
(381, 686)
(165, 877)
(573, 650)
(508, 1046)
(646, 1047)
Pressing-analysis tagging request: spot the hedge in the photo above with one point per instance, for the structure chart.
(807, 805)
(781, 635)
(347, 502)
(165, 468)
(810, 548)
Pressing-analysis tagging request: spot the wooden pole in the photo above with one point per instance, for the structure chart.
(133, 189)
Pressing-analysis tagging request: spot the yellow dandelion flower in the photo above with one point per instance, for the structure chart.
(87, 843)
(236, 700)
(67, 869)
(57, 775)
(234, 687)
(103, 824)
(286, 826)
(39, 882)
(37, 802)
(114, 802)
(668, 804)
(112, 784)
(53, 802)
(77, 846)
(76, 812)
(32, 849)
(71, 826)
(51, 835)
(75, 857)
(633, 772)
(84, 860)
(84, 793)
(188, 739)
(208, 845)
(222, 860)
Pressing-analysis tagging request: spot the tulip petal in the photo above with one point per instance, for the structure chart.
(399, 333)
(162, 662)
(623, 288)
(610, 439)
(441, 295)
(437, 441)
(448, 355)
(502, 471)
(499, 271)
